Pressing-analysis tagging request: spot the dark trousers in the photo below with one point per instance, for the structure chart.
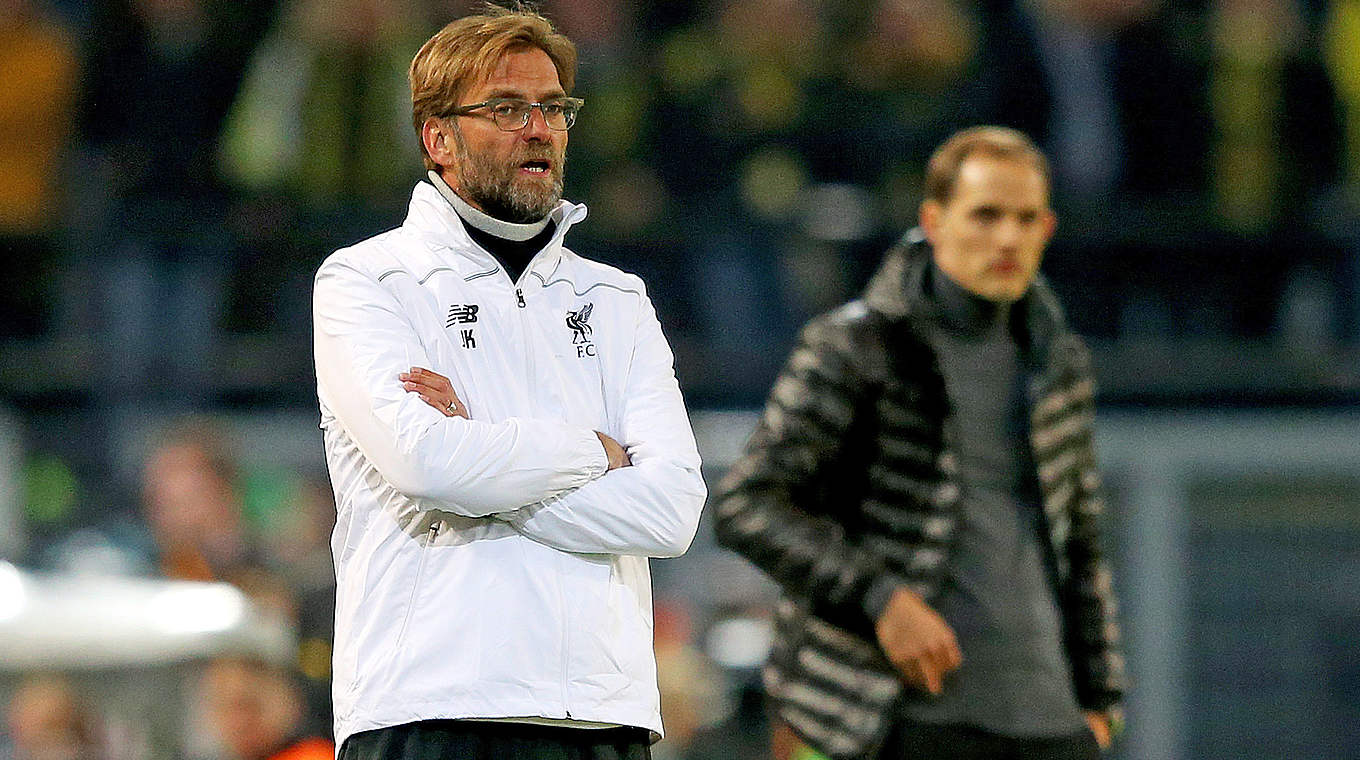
(919, 741)
(473, 740)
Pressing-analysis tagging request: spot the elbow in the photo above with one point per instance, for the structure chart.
(673, 543)
(417, 476)
(408, 478)
(414, 483)
(676, 536)
(677, 542)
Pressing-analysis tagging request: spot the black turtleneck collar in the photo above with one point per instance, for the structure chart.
(513, 245)
(514, 255)
(963, 311)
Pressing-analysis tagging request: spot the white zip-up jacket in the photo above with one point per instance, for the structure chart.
(490, 567)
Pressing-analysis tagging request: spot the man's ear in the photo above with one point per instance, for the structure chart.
(438, 141)
(930, 218)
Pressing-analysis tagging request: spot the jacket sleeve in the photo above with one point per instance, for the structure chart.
(1089, 608)
(761, 509)
(651, 508)
(1092, 614)
(363, 340)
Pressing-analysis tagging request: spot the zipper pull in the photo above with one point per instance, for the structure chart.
(519, 296)
(434, 531)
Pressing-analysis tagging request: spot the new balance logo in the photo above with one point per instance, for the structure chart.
(461, 314)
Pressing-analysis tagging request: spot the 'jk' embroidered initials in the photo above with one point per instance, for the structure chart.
(468, 340)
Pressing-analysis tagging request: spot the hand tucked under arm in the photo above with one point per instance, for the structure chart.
(650, 504)
(650, 509)
(437, 391)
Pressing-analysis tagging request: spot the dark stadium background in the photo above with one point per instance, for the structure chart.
(173, 171)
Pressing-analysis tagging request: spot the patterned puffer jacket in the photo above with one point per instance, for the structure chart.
(848, 489)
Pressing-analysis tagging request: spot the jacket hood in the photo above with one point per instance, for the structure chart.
(897, 291)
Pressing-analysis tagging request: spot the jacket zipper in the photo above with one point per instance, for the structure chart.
(531, 367)
(415, 587)
(561, 594)
(566, 644)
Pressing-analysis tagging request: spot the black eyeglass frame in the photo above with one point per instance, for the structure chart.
(570, 107)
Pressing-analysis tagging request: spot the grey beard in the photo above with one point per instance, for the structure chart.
(508, 200)
(494, 187)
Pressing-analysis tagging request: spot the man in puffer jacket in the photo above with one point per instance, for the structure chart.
(923, 487)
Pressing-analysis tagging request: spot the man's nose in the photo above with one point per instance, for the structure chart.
(537, 128)
(1010, 232)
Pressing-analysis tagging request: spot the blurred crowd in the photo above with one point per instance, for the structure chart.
(236, 709)
(208, 512)
(173, 171)
(202, 518)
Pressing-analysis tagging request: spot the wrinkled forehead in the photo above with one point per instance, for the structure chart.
(522, 71)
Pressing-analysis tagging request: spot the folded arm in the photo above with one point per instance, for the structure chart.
(364, 342)
(652, 507)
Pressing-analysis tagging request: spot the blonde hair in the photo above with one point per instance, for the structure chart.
(942, 172)
(468, 49)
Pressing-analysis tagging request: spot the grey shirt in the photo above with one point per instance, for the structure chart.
(997, 593)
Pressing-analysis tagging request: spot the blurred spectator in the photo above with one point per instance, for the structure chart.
(318, 113)
(604, 27)
(721, 132)
(162, 74)
(38, 69)
(1116, 93)
(295, 537)
(196, 513)
(47, 720)
(192, 507)
(295, 530)
(906, 81)
(250, 710)
(693, 690)
(733, 82)
(1276, 151)
(1107, 90)
(312, 145)
(1277, 142)
(1343, 63)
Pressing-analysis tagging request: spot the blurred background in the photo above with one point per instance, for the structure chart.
(172, 172)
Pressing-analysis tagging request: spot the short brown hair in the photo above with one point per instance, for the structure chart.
(942, 172)
(468, 49)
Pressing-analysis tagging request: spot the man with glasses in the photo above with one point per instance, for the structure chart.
(923, 487)
(505, 435)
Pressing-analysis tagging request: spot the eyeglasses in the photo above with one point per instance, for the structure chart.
(512, 114)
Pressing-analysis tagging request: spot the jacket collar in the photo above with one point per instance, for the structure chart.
(434, 219)
(897, 291)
